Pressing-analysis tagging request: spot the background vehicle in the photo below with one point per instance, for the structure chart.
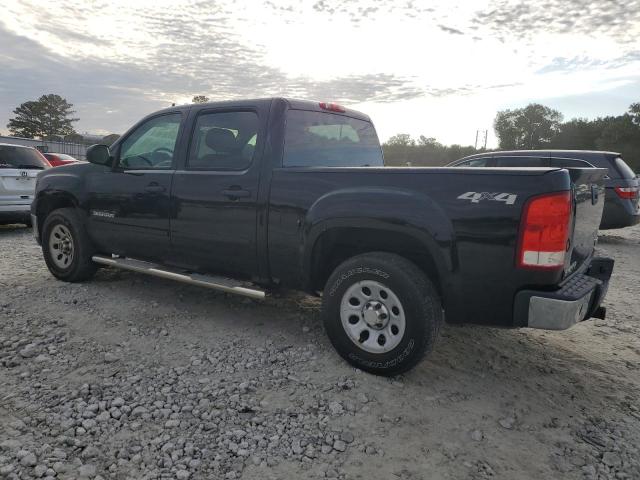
(621, 208)
(57, 159)
(295, 193)
(19, 167)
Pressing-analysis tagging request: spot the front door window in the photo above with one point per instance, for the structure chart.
(152, 144)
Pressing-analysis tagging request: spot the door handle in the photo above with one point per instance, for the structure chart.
(235, 193)
(154, 188)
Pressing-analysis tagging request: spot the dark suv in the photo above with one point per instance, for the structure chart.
(621, 208)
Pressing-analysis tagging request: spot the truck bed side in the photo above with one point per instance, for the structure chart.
(461, 225)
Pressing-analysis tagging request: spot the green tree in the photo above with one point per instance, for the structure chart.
(634, 111)
(613, 133)
(200, 99)
(47, 117)
(403, 139)
(620, 134)
(577, 134)
(533, 126)
(403, 150)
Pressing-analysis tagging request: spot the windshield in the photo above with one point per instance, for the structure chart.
(20, 157)
(318, 139)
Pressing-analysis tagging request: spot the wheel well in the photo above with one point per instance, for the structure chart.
(337, 245)
(49, 204)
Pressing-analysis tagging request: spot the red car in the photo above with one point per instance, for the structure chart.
(57, 159)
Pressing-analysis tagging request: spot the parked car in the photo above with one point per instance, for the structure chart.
(245, 196)
(621, 207)
(57, 159)
(19, 167)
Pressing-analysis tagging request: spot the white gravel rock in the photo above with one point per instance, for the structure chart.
(103, 393)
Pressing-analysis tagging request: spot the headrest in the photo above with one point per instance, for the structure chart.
(220, 140)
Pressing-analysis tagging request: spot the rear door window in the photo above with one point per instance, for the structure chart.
(318, 139)
(223, 141)
(624, 169)
(21, 157)
(569, 163)
(521, 161)
(475, 162)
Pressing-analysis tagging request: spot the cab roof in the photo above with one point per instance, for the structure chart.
(291, 103)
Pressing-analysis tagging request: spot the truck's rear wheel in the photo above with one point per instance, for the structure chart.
(381, 312)
(66, 246)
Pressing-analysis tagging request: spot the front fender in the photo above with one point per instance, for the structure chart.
(63, 181)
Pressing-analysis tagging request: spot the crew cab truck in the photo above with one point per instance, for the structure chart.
(246, 196)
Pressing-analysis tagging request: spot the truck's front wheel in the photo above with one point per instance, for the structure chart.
(381, 312)
(66, 246)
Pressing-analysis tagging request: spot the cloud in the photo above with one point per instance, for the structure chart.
(111, 95)
(119, 60)
(617, 20)
(455, 31)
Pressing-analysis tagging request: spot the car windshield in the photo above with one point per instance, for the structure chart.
(20, 157)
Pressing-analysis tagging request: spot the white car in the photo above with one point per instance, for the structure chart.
(19, 167)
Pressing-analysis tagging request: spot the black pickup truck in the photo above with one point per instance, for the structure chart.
(246, 196)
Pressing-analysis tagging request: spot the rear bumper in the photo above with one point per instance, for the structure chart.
(14, 212)
(619, 213)
(577, 300)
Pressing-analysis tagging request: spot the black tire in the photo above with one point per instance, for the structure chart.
(420, 303)
(80, 266)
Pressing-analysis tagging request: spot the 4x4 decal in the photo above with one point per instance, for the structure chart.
(476, 197)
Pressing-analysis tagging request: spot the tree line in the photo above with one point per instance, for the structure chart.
(50, 117)
(403, 150)
(535, 126)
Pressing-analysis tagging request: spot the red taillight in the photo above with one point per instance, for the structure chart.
(544, 231)
(627, 192)
(44, 159)
(332, 107)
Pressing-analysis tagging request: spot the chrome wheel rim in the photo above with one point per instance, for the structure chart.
(61, 246)
(372, 316)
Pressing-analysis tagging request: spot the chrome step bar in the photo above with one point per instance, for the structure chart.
(217, 283)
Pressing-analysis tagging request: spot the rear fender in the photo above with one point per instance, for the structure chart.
(378, 209)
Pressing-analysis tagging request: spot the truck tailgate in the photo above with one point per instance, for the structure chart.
(588, 184)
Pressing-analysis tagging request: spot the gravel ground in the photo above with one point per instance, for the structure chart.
(130, 376)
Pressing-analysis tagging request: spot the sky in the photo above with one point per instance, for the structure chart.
(436, 68)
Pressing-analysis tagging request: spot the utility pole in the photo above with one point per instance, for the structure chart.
(479, 135)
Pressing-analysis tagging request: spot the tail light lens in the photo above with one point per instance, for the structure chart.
(544, 231)
(44, 159)
(332, 107)
(627, 192)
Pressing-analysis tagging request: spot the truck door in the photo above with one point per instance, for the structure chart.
(128, 205)
(214, 194)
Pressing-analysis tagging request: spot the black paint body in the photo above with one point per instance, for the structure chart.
(295, 224)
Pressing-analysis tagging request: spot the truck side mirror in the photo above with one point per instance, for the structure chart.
(99, 154)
